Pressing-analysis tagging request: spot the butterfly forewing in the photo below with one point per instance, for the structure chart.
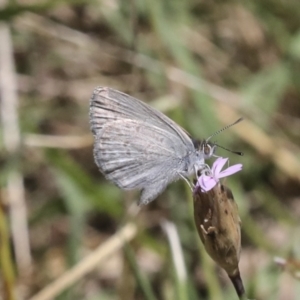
(109, 105)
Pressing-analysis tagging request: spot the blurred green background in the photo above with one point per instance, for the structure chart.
(204, 64)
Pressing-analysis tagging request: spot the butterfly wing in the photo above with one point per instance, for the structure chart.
(137, 155)
(109, 105)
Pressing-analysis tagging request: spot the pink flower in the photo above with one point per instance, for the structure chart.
(211, 177)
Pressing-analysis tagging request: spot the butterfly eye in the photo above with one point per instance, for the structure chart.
(207, 150)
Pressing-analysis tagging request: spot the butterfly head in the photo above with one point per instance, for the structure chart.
(207, 149)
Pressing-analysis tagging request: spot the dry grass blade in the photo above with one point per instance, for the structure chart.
(89, 263)
(11, 140)
(176, 249)
(285, 160)
(54, 141)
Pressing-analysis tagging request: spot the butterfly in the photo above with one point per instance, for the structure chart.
(138, 147)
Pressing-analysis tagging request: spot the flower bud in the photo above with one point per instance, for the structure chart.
(219, 227)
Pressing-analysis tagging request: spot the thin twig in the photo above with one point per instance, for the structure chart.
(89, 263)
(11, 140)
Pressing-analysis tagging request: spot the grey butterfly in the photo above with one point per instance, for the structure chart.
(138, 147)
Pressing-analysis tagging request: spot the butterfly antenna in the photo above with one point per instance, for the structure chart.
(235, 152)
(224, 128)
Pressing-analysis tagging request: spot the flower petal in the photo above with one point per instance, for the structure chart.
(218, 165)
(206, 182)
(231, 170)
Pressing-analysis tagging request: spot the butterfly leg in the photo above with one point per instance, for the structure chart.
(190, 184)
(204, 170)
